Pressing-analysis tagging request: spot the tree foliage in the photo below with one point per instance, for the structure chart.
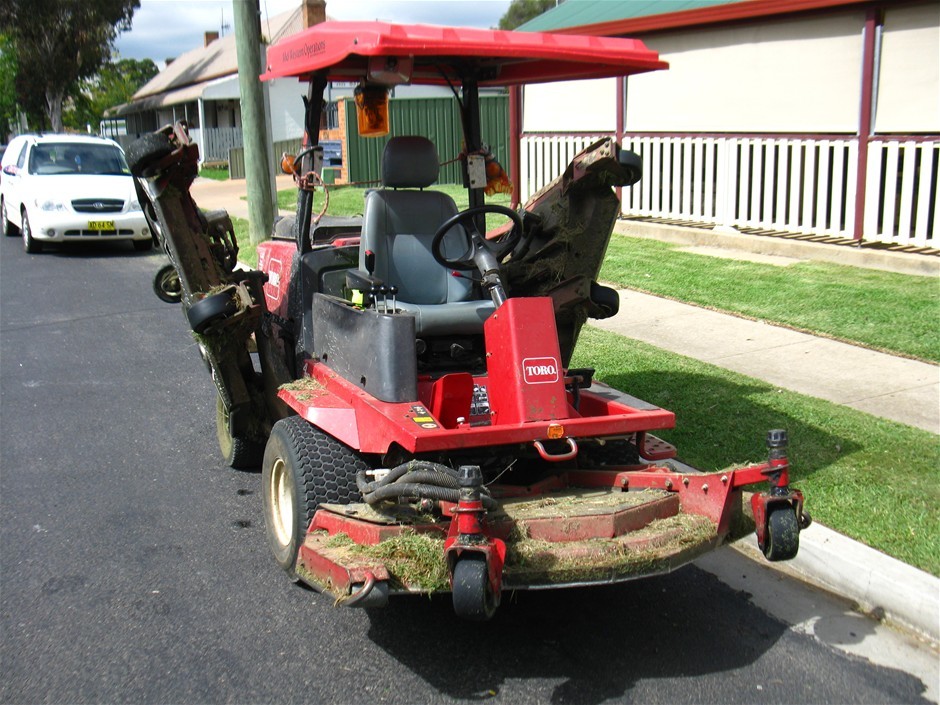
(7, 87)
(114, 84)
(521, 11)
(60, 42)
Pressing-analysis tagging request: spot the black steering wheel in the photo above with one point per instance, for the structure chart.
(483, 254)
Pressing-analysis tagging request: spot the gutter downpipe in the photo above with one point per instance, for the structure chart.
(621, 119)
(871, 54)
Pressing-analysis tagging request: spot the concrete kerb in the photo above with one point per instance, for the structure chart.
(882, 586)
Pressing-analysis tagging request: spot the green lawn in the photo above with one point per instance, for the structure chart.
(348, 200)
(872, 479)
(897, 313)
(217, 173)
(246, 251)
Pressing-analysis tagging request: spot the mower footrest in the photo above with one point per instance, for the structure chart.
(653, 448)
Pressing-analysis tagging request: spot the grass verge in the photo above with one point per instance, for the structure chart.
(216, 173)
(896, 313)
(348, 200)
(872, 479)
(247, 251)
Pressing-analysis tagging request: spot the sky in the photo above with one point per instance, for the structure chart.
(167, 28)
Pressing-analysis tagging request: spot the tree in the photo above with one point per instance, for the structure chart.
(8, 109)
(521, 11)
(60, 42)
(113, 85)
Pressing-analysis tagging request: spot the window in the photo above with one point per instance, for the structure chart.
(76, 158)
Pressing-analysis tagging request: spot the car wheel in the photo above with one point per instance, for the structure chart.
(29, 242)
(303, 468)
(239, 453)
(9, 228)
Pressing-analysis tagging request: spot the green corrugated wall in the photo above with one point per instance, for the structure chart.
(435, 118)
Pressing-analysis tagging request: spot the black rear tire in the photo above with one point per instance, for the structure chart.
(303, 468)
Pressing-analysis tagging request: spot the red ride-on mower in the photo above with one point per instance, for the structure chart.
(407, 375)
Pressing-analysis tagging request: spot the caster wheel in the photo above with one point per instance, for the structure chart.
(166, 285)
(472, 596)
(783, 533)
(211, 309)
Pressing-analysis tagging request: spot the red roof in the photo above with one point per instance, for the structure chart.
(500, 58)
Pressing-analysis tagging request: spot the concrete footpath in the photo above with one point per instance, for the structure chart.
(895, 388)
(884, 385)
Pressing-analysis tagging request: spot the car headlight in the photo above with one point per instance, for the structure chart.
(134, 204)
(50, 205)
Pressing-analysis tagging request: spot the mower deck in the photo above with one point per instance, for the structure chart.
(563, 538)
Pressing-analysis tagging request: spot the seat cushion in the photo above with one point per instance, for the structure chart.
(399, 226)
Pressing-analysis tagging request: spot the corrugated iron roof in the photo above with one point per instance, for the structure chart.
(610, 18)
(577, 13)
(183, 79)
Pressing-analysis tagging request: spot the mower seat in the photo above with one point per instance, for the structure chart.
(399, 222)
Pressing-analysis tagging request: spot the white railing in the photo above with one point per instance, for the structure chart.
(544, 158)
(901, 203)
(786, 184)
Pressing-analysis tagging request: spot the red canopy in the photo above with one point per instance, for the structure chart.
(500, 58)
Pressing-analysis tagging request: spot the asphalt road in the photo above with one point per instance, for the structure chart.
(133, 564)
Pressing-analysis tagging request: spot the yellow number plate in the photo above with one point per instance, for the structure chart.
(101, 225)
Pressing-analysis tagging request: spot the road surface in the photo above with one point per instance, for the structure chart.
(133, 564)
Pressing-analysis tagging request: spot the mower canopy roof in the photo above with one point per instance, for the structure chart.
(389, 53)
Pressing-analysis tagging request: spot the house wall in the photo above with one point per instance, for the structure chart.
(799, 75)
(570, 106)
(909, 82)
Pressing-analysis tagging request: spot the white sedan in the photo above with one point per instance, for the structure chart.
(69, 188)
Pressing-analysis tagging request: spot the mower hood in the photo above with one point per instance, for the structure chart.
(441, 55)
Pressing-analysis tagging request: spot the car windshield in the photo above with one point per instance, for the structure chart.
(75, 158)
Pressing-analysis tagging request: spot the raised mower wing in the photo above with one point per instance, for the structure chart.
(497, 57)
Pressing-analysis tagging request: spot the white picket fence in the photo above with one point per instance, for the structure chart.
(786, 184)
(217, 141)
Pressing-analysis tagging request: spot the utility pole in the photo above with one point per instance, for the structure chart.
(258, 172)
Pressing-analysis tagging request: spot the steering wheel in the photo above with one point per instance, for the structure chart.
(483, 254)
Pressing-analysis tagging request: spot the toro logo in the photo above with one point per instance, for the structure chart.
(539, 370)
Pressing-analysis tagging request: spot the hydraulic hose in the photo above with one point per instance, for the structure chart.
(416, 479)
